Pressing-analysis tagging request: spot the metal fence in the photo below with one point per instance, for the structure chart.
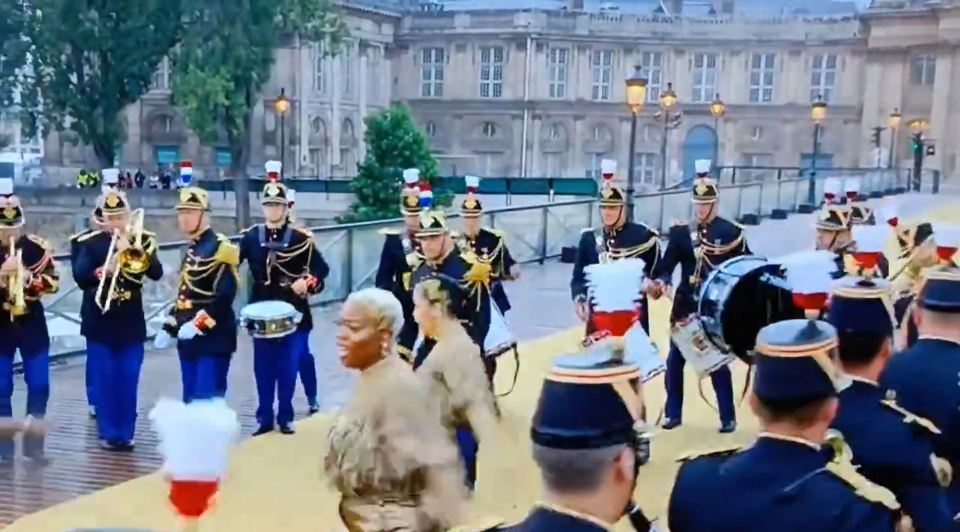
(535, 234)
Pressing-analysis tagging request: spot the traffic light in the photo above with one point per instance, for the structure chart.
(875, 138)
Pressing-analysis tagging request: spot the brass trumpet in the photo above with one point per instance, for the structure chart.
(133, 260)
(15, 283)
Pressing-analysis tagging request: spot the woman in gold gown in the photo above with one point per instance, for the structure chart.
(388, 453)
(454, 372)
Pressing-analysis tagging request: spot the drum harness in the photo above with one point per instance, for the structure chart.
(277, 258)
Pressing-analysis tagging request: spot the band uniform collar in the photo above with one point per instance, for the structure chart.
(864, 380)
(612, 231)
(556, 508)
(791, 439)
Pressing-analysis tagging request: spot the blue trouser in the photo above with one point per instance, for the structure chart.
(307, 369)
(36, 373)
(722, 385)
(468, 446)
(275, 363)
(116, 377)
(204, 376)
(90, 375)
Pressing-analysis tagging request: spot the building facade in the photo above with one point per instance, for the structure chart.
(539, 91)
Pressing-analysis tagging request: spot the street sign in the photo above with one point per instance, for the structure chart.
(931, 150)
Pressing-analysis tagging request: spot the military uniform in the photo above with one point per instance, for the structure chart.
(278, 257)
(114, 334)
(924, 378)
(782, 482)
(912, 242)
(835, 219)
(74, 241)
(24, 328)
(400, 254)
(202, 317)
(715, 241)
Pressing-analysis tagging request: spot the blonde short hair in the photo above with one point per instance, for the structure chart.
(384, 305)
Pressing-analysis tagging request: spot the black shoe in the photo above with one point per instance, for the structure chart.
(643, 451)
(263, 430)
(115, 446)
(314, 408)
(671, 423)
(728, 427)
(286, 428)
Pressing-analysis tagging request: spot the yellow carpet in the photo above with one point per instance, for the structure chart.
(275, 482)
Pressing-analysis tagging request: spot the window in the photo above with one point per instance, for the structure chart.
(704, 77)
(652, 64)
(373, 71)
(161, 76)
(923, 69)
(558, 72)
(756, 133)
(319, 63)
(649, 133)
(489, 130)
(601, 65)
(431, 129)
(491, 71)
(555, 132)
(593, 165)
(600, 132)
(761, 78)
(318, 161)
(823, 77)
(316, 125)
(645, 165)
(431, 72)
(346, 70)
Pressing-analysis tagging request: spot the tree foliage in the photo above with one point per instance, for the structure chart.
(393, 143)
(13, 51)
(89, 60)
(225, 58)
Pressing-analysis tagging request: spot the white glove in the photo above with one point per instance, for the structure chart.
(162, 339)
(188, 331)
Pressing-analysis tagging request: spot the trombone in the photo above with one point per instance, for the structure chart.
(134, 260)
(15, 283)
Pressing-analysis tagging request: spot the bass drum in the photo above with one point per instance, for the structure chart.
(740, 297)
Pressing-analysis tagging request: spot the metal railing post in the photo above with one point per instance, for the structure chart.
(543, 233)
(348, 263)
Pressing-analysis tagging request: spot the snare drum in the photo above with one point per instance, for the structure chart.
(270, 319)
(499, 339)
(697, 350)
(740, 297)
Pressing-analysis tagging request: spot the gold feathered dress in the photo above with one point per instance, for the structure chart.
(391, 458)
(454, 374)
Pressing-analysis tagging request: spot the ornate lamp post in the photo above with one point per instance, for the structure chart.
(668, 101)
(282, 106)
(718, 109)
(818, 112)
(893, 122)
(636, 96)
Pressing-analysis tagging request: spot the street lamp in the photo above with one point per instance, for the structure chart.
(282, 106)
(668, 100)
(636, 96)
(918, 126)
(893, 122)
(818, 112)
(718, 109)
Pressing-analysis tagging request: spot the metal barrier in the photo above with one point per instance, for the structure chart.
(535, 234)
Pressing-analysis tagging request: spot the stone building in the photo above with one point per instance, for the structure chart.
(536, 87)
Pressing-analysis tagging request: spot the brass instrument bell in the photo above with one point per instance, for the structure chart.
(15, 283)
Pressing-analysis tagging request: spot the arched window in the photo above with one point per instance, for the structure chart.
(489, 130)
(347, 141)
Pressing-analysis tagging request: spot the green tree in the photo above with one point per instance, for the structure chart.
(88, 60)
(393, 143)
(13, 50)
(225, 58)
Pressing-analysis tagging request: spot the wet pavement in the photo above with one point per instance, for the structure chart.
(75, 465)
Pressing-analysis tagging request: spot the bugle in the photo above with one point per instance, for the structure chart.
(15, 283)
(133, 260)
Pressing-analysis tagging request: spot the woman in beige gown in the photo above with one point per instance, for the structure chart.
(453, 372)
(388, 453)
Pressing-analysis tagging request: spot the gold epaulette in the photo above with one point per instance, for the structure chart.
(484, 525)
(40, 241)
(479, 271)
(389, 231)
(227, 251)
(910, 417)
(303, 230)
(718, 451)
(862, 486)
(655, 232)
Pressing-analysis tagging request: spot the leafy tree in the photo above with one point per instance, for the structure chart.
(224, 59)
(89, 60)
(393, 143)
(13, 50)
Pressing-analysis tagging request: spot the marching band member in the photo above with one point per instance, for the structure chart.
(860, 212)
(307, 367)
(112, 319)
(923, 379)
(286, 266)
(784, 478)
(717, 240)
(923, 247)
(585, 445)
(834, 226)
(399, 257)
(95, 224)
(453, 372)
(489, 246)
(388, 453)
(441, 256)
(618, 239)
(202, 317)
(27, 272)
(892, 446)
